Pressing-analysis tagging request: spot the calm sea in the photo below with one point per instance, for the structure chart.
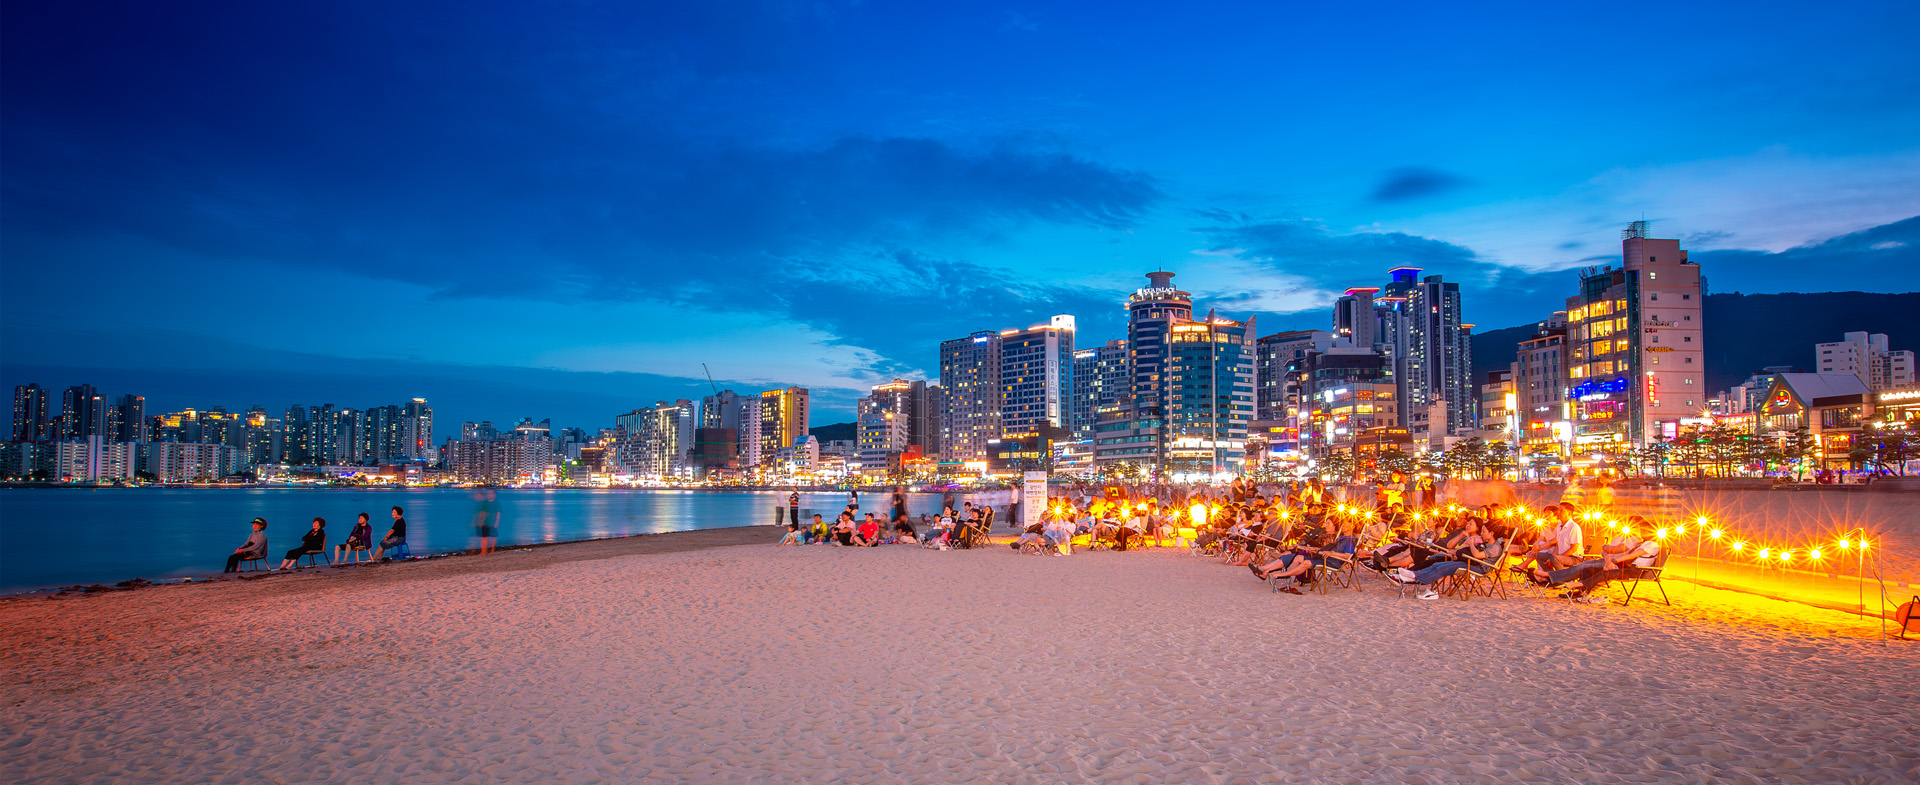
(61, 537)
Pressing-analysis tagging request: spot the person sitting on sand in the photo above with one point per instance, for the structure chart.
(255, 547)
(359, 540)
(792, 537)
(314, 541)
(903, 530)
(843, 530)
(396, 539)
(820, 531)
(868, 534)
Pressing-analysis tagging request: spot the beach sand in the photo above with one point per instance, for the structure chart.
(691, 658)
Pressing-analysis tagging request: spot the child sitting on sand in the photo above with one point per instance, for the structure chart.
(793, 535)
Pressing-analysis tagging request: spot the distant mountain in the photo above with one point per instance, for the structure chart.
(837, 432)
(1746, 332)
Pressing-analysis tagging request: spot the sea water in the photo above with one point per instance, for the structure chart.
(65, 536)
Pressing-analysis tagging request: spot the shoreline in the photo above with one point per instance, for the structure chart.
(504, 558)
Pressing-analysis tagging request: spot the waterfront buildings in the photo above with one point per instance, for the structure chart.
(1540, 384)
(970, 376)
(656, 442)
(1099, 379)
(31, 418)
(893, 426)
(1208, 383)
(1866, 356)
(500, 461)
(1499, 406)
(1276, 393)
(1036, 368)
(783, 419)
(1415, 324)
(1636, 361)
(83, 413)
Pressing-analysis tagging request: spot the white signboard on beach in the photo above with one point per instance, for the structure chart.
(1033, 498)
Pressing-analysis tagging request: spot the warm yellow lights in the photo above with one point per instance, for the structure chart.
(1198, 513)
(1660, 535)
(1786, 556)
(1680, 529)
(1702, 520)
(1766, 552)
(1739, 546)
(1815, 554)
(1714, 534)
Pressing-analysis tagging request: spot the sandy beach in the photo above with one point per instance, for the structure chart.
(713, 657)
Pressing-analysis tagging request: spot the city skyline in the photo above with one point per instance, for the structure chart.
(525, 217)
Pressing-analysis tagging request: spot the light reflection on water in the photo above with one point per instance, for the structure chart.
(57, 537)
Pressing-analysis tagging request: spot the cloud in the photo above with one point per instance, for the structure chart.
(1413, 182)
(1858, 260)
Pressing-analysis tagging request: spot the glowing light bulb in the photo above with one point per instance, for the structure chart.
(1815, 554)
(1680, 529)
(1786, 555)
(1863, 545)
(1766, 552)
(1844, 544)
(1714, 534)
(1703, 520)
(1739, 546)
(1660, 535)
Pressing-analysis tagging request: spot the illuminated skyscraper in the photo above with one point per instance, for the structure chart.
(970, 378)
(1208, 384)
(1036, 371)
(127, 419)
(1099, 379)
(30, 415)
(416, 431)
(783, 419)
(83, 413)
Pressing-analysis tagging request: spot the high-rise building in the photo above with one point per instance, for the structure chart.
(1036, 370)
(293, 444)
(416, 430)
(1276, 396)
(1540, 387)
(382, 435)
(1209, 393)
(1866, 356)
(1636, 364)
(83, 413)
(1133, 428)
(264, 437)
(892, 422)
(970, 378)
(503, 461)
(127, 419)
(30, 415)
(1499, 405)
(1431, 355)
(1349, 398)
(1100, 379)
(657, 442)
(783, 419)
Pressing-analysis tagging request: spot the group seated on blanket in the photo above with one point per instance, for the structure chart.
(1628, 553)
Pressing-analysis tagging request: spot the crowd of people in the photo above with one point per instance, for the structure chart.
(1291, 535)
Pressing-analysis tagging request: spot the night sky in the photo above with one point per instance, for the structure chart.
(562, 209)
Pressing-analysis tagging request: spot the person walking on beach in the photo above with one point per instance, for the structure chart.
(360, 539)
(793, 506)
(396, 539)
(255, 548)
(899, 503)
(314, 541)
(486, 522)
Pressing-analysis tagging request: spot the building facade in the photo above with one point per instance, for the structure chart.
(1100, 379)
(1636, 354)
(1036, 370)
(970, 378)
(1866, 355)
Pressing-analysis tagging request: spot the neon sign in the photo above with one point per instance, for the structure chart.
(1598, 390)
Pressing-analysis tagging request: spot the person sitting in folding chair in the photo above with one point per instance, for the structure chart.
(1295, 564)
(1632, 550)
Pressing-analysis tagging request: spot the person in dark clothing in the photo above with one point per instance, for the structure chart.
(358, 540)
(793, 507)
(314, 541)
(899, 503)
(255, 547)
(396, 539)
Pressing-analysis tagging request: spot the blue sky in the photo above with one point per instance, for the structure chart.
(562, 210)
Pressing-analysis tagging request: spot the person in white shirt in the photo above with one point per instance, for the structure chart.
(1563, 546)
